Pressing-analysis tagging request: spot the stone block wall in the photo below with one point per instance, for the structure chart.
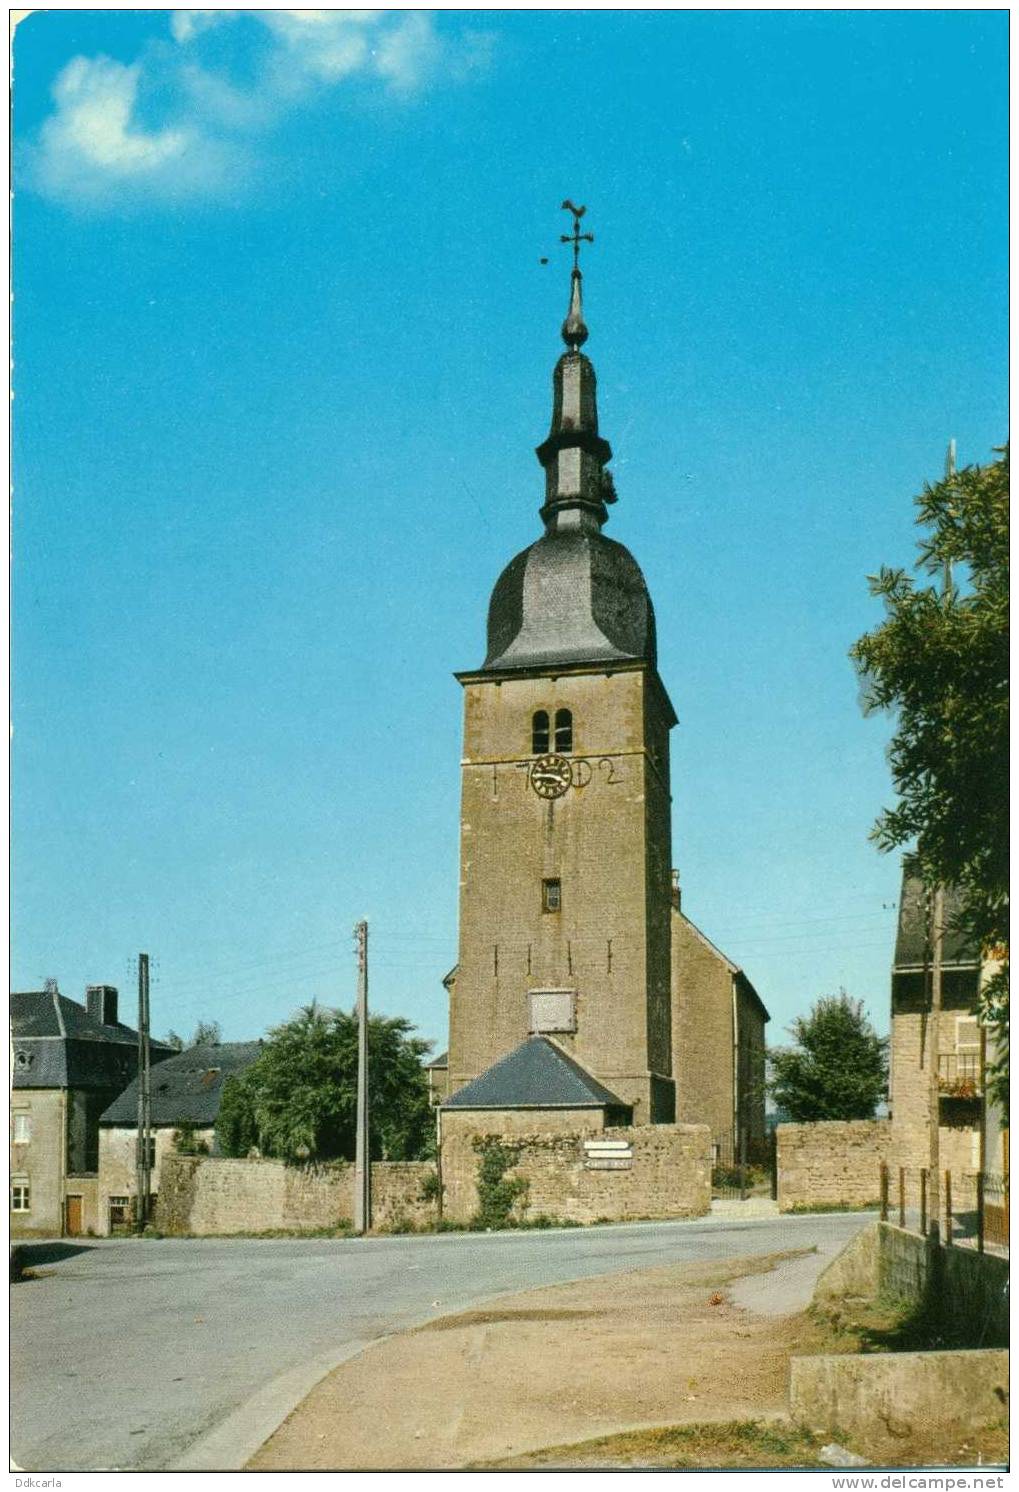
(669, 1174)
(968, 1290)
(834, 1163)
(209, 1196)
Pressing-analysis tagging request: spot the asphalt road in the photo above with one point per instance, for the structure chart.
(184, 1353)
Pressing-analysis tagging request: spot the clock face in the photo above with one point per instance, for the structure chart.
(551, 776)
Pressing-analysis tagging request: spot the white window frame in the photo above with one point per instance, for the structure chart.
(23, 1203)
(22, 1120)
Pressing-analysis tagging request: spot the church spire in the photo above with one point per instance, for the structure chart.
(574, 455)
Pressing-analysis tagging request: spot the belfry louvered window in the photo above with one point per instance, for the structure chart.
(539, 732)
(563, 730)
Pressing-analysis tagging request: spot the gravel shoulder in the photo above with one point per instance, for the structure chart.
(660, 1346)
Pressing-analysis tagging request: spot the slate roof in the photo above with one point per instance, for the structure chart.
(571, 597)
(911, 936)
(442, 1061)
(537, 1075)
(188, 1086)
(57, 1044)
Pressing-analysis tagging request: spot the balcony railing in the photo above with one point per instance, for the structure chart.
(959, 1074)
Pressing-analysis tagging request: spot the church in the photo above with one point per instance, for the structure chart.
(582, 995)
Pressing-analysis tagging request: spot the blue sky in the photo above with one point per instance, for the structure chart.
(283, 349)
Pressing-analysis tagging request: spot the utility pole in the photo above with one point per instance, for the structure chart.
(362, 1156)
(937, 963)
(144, 1180)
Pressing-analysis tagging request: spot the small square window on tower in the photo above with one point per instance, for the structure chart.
(551, 896)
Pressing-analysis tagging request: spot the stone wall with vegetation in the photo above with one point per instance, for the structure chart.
(835, 1163)
(208, 1196)
(668, 1173)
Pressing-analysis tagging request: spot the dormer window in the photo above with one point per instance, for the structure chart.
(564, 731)
(539, 732)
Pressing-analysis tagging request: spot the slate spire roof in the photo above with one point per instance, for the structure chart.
(574, 597)
(537, 1075)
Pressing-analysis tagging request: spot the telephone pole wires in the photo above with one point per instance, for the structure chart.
(362, 1154)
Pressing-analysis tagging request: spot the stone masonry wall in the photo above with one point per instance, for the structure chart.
(207, 1196)
(835, 1163)
(670, 1175)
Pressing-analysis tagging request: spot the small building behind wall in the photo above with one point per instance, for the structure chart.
(186, 1092)
(70, 1062)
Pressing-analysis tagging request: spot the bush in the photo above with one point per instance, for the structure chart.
(186, 1142)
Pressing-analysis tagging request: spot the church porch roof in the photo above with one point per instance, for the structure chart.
(536, 1075)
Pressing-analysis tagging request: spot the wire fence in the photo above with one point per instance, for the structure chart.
(968, 1208)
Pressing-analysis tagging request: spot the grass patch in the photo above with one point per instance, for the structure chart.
(801, 1207)
(851, 1325)
(744, 1444)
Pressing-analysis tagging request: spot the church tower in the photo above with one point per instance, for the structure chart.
(565, 838)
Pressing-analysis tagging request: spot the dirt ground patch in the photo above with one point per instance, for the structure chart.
(549, 1367)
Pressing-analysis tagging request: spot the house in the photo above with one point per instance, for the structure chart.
(958, 1052)
(70, 1062)
(185, 1093)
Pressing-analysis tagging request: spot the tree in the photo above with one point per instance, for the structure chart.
(298, 1100)
(838, 1068)
(206, 1033)
(173, 1040)
(939, 661)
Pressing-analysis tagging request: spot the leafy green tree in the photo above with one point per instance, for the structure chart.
(298, 1100)
(838, 1068)
(236, 1130)
(939, 662)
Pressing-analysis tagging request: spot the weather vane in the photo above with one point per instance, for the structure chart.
(576, 238)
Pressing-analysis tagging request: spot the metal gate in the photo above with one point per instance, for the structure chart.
(742, 1167)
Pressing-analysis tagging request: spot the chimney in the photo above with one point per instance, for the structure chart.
(101, 1003)
(676, 895)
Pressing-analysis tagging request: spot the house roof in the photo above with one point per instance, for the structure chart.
(537, 1075)
(57, 1044)
(188, 1086)
(442, 1060)
(911, 947)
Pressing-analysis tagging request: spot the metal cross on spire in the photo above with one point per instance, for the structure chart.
(576, 238)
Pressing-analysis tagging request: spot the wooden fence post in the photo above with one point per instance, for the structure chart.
(923, 1202)
(902, 1196)
(948, 1207)
(980, 1212)
(884, 1192)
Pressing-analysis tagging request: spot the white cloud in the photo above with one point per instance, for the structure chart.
(408, 52)
(92, 146)
(95, 147)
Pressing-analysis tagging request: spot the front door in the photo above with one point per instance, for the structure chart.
(74, 1217)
